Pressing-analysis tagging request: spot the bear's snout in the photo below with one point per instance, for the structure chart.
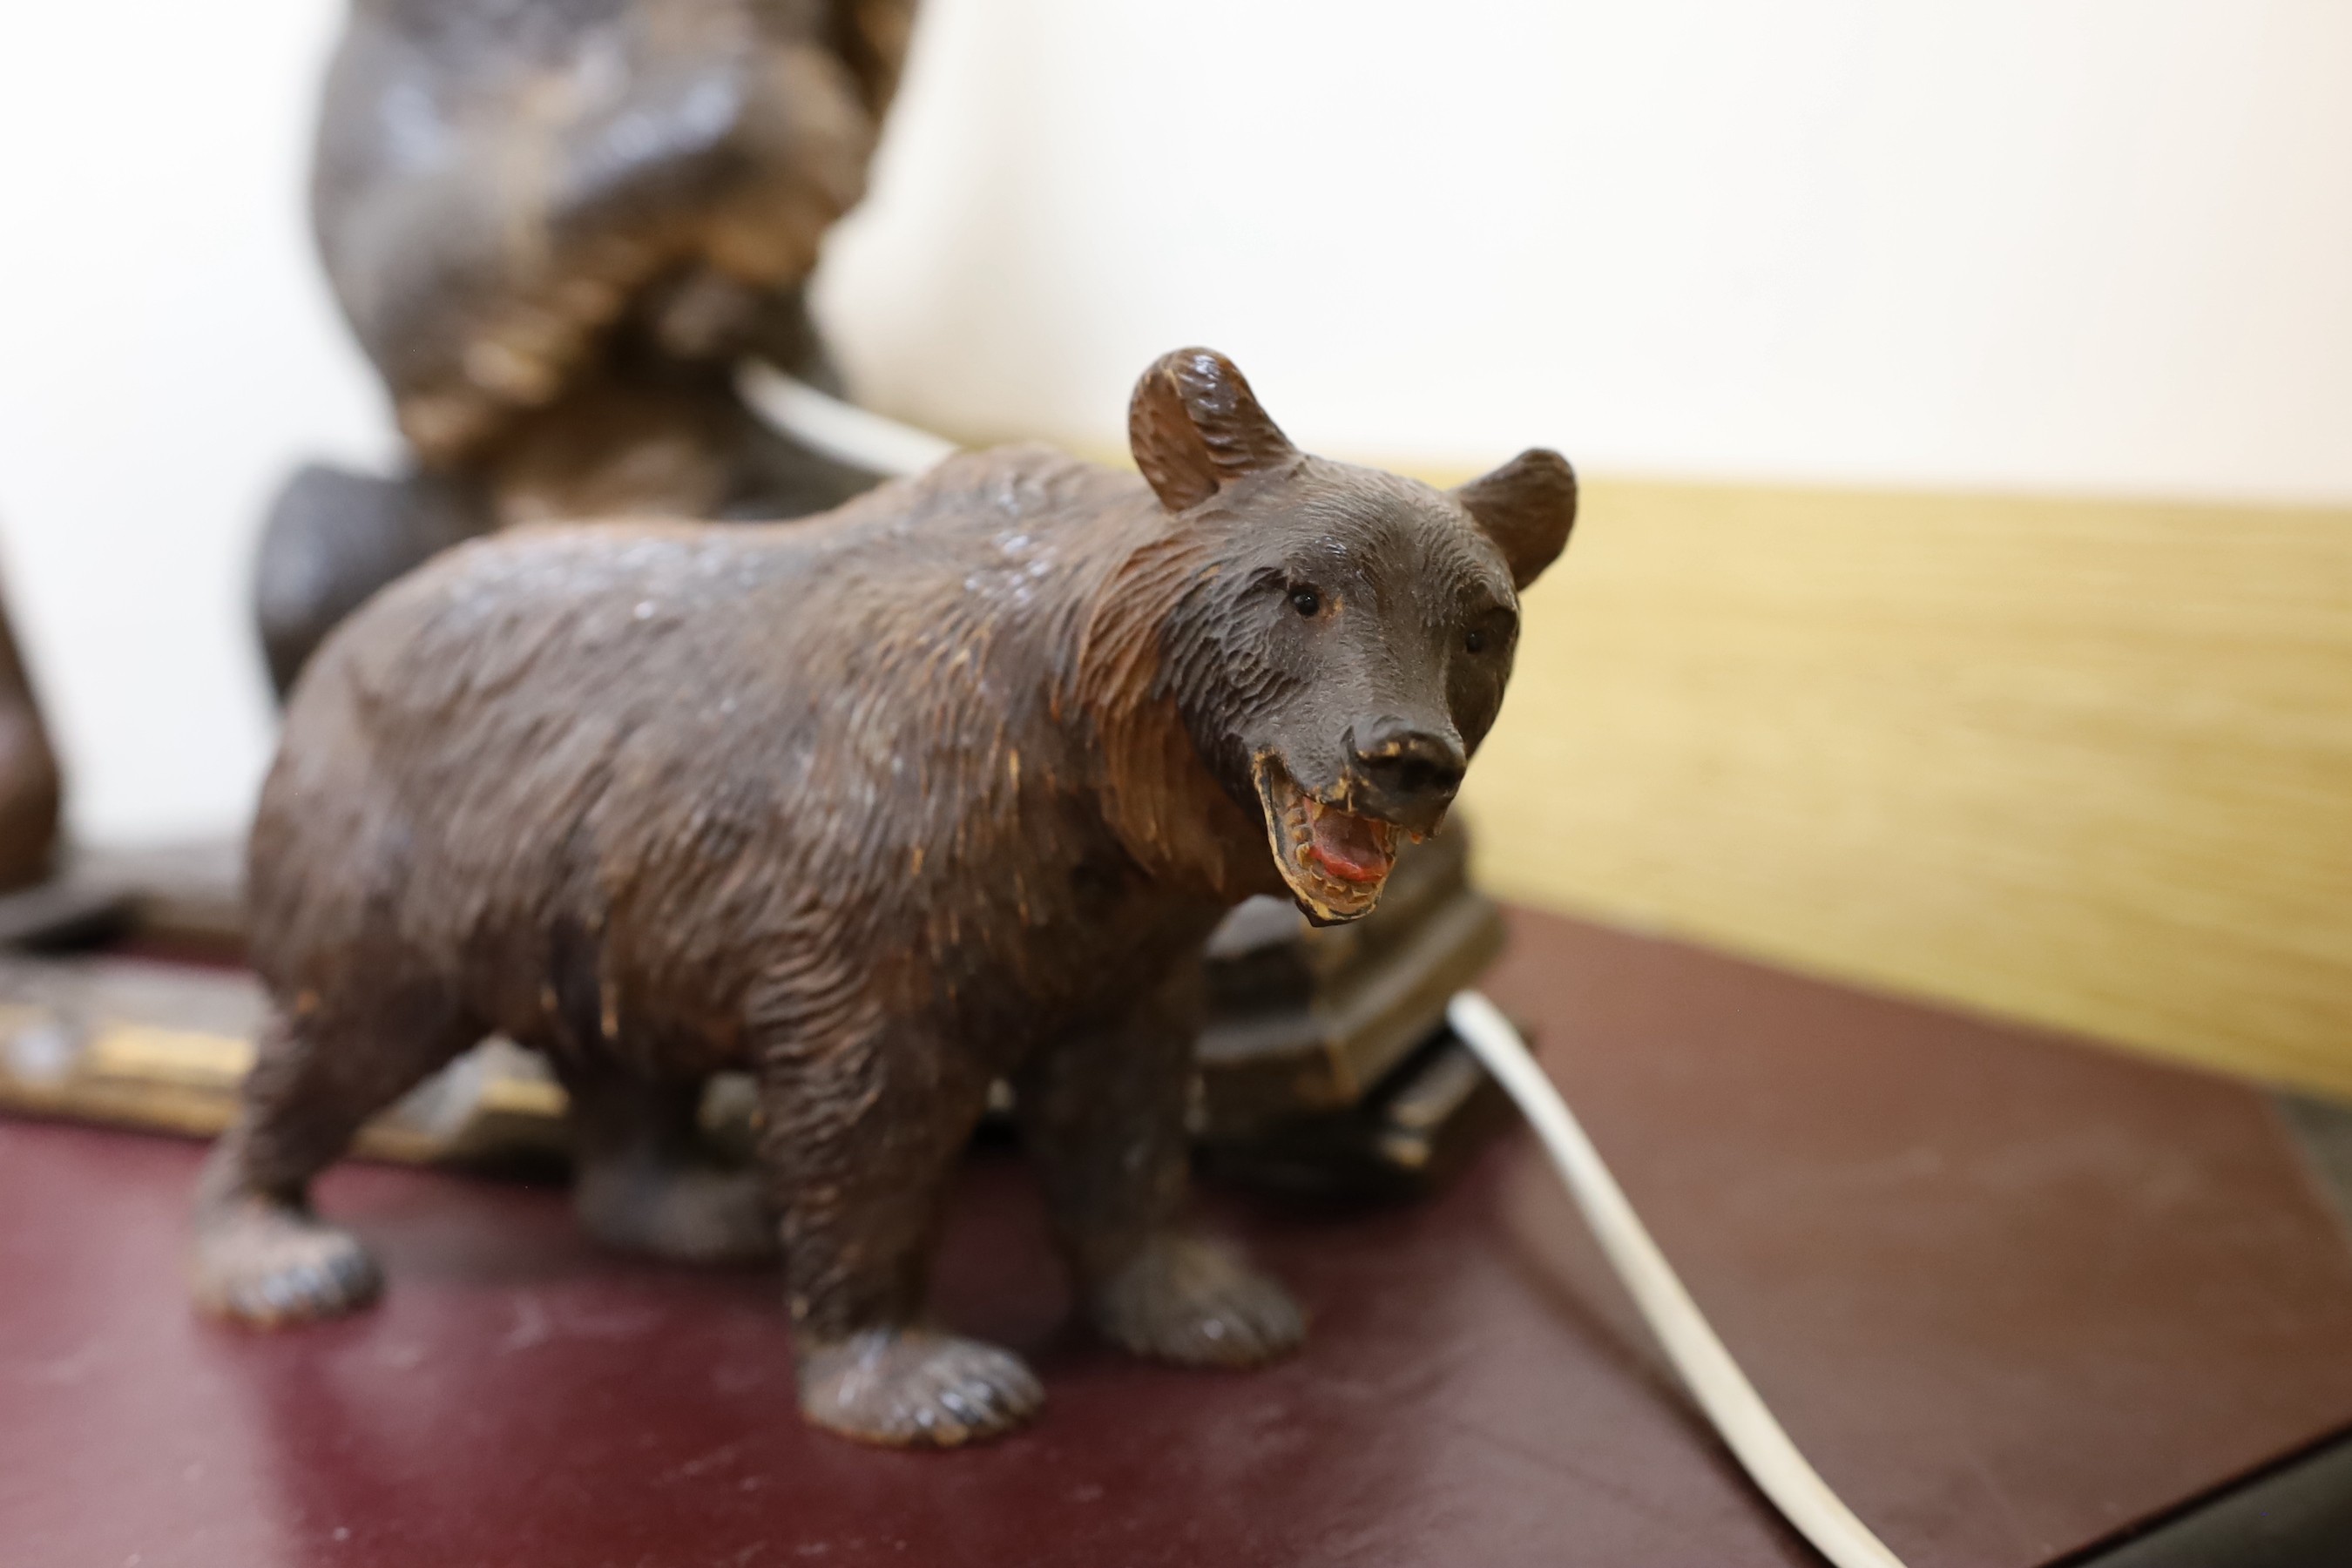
(1403, 772)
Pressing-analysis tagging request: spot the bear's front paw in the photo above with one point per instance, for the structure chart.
(681, 1210)
(915, 1388)
(1193, 1303)
(267, 1264)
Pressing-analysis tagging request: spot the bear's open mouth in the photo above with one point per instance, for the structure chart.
(1335, 861)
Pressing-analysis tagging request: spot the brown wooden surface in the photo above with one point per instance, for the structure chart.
(2010, 1294)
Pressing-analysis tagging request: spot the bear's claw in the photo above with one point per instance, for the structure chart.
(269, 1264)
(1190, 1301)
(916, 1388)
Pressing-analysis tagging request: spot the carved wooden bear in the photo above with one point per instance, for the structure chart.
(946, 787)
(554, 226)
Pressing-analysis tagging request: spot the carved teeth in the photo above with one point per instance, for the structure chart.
(1293, 813)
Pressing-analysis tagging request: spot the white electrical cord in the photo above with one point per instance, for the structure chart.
(1722, 1390)
(841, 431)
(883, 445)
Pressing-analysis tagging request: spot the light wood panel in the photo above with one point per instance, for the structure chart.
(2087, 763)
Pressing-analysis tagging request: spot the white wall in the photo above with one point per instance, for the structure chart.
(2026, 245)
(2017, 243)
(167, 349)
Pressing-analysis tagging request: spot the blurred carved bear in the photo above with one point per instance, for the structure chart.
(554, 226)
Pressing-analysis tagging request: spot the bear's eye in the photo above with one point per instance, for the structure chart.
(1306, 600)
(1474, 641)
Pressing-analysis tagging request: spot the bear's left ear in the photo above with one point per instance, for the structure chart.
(1195, 428)
(1526, 508)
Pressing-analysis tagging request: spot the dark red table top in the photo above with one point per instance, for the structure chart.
(2012, 1295)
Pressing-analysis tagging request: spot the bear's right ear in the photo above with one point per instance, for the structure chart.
(1195, 428)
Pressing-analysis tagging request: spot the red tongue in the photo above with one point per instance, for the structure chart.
(1349, 848)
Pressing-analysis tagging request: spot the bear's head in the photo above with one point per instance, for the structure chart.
(1343, 635)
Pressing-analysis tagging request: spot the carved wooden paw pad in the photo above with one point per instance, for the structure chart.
(1191, 1301)
(270, 1264)
(916, 1388)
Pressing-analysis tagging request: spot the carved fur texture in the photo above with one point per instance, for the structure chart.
(946, 787)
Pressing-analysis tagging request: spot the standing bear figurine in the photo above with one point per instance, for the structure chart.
(946, 787)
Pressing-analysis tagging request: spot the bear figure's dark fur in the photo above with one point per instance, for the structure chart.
(947, 787)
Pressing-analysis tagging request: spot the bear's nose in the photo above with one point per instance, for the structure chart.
(1410, 771)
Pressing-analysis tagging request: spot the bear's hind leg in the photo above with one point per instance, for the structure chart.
(862, 1137)
(646, 1182)
(1103, 1116)
(261, 1255)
